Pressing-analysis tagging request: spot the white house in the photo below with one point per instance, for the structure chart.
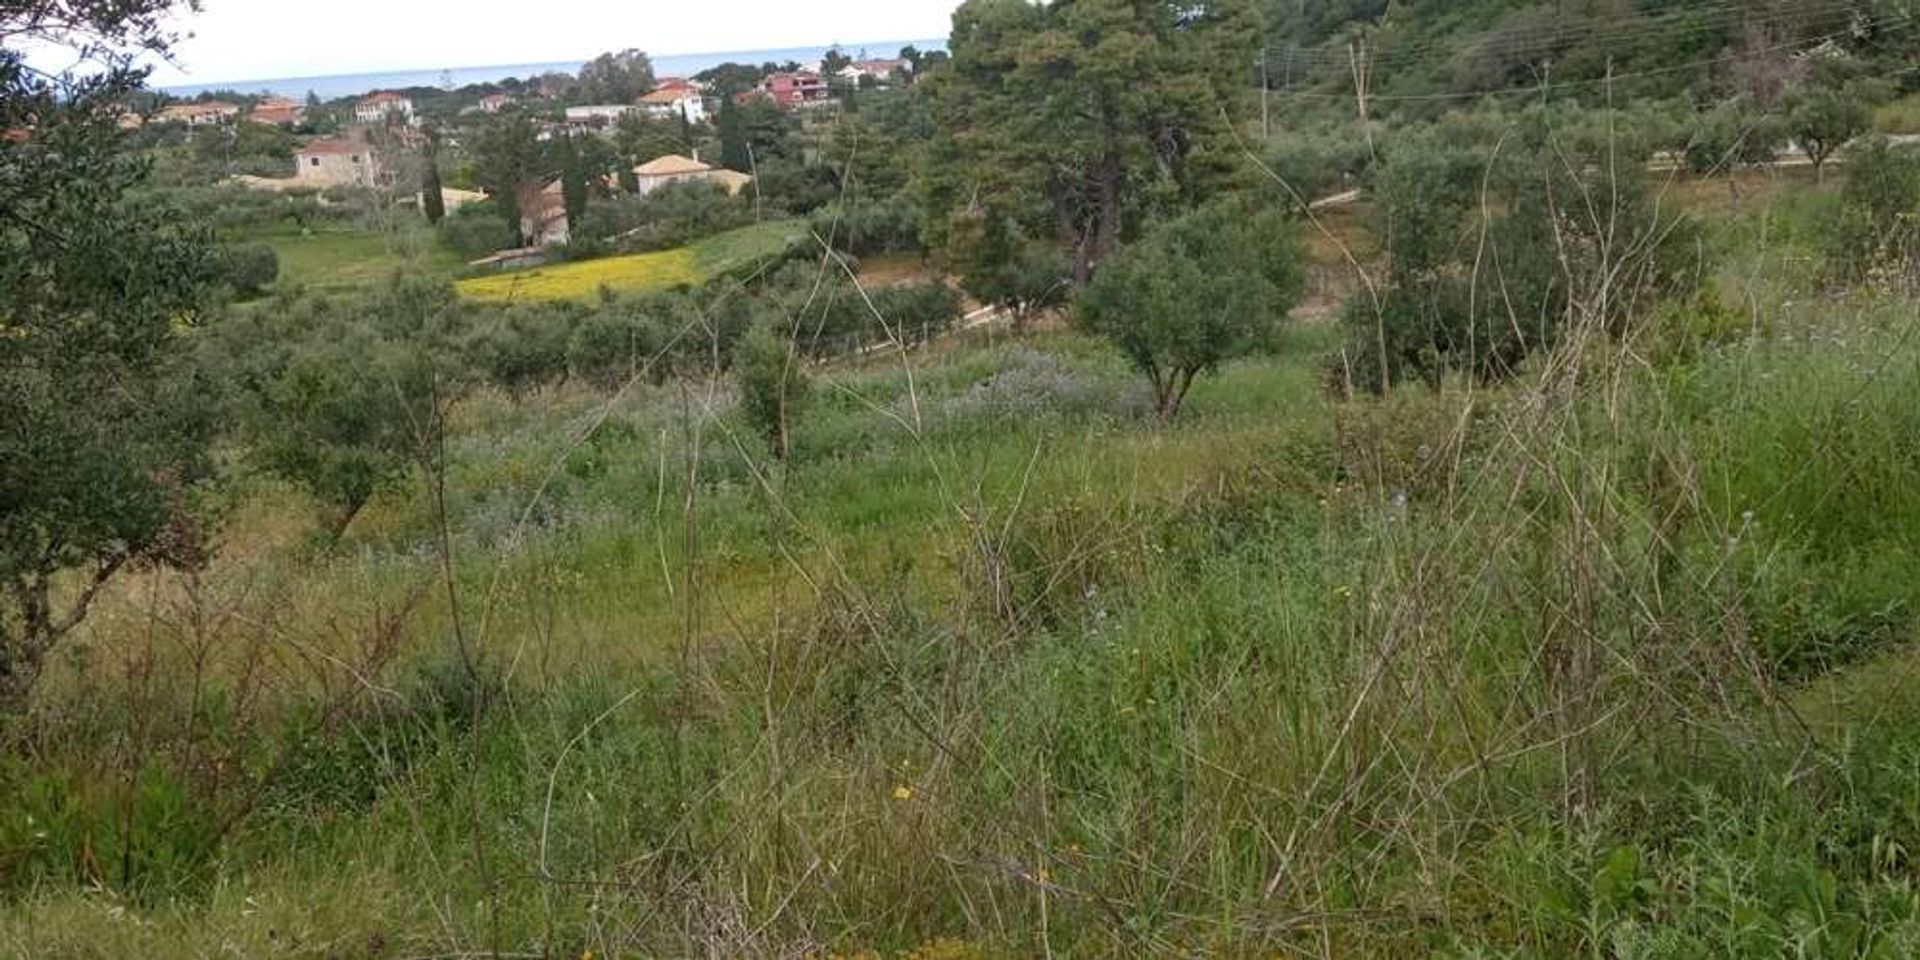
(674, 168)
(598, 115)
(673, 102)
(882, 71)
(380, 106)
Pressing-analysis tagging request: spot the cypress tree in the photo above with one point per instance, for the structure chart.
(733, 138)
(573, 180)
(432, 202)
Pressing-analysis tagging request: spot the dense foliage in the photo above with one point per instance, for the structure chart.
(102, 434)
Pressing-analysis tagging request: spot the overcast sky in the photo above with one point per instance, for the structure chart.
(262, 39)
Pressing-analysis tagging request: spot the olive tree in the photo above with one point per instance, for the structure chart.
(774, 388)
(343, 396)
(1203, 289)
(1822, 120)
(102, 434)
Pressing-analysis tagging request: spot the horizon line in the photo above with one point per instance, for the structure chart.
(206, 84)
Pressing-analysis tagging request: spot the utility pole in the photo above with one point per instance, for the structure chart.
(1266, 89)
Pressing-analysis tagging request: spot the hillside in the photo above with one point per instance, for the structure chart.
(1046, 498)
(1697, 48)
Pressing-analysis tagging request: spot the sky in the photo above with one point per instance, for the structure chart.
(257, 39)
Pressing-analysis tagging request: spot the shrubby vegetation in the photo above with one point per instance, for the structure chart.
(1530, 568)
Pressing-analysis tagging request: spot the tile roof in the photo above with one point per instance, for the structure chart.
(670, 165)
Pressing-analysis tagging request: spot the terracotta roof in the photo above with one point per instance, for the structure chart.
(668, 97)
(384, 97)
(670, 165)
(16, 135)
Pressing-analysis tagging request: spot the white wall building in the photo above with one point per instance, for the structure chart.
(380, 106)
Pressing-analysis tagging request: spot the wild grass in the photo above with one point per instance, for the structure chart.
(1902, 116)
(1609, 663)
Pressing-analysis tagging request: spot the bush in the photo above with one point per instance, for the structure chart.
(868, 227)
(1876, 229)
(624, 337)
(251, 268)
(773, 385)
(475, 231)
(672, 216)
(1487, 268)
(916, 313)
(523, 346)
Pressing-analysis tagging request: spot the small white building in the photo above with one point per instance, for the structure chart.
(377, 108)
(495, 102)
(598, 115)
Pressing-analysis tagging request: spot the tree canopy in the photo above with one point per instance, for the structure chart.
(102, 432)
(1083, 119)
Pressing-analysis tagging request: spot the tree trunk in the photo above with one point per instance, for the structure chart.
(1110, 214)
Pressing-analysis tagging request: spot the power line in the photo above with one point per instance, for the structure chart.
(1301, 63)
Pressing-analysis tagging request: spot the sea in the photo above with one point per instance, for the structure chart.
(683, 65)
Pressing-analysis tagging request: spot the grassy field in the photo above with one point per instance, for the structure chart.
(343, 258)
(1614, 664)
(638, 272)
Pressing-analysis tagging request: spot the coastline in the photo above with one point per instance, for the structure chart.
(336, 86)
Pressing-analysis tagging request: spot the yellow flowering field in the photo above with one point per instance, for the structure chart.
(635, 272)
(575, 281)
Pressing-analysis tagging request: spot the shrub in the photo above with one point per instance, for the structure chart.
(251, 268)
(1201, 290)
(916, 313)
(523, 346)
(868, 227)
(1876, 229)
(774, 388)
(474, 231)
(672, 216)
(1486, 265)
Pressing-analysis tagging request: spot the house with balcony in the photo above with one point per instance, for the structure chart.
(381, 106)
(798, 89)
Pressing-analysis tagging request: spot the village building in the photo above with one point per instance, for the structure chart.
(543, 214)
(675, 103)
(278, 112)
(336, 162)
(598, 115)
(210, 113)
(495, 102)
(800, 89)
(882, 71)
(380, 106)
(674, 168)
